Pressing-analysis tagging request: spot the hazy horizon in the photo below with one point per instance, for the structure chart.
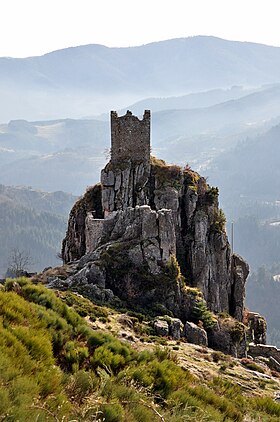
(140, 45)
(33, 28)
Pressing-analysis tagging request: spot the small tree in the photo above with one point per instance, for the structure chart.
(19, 263)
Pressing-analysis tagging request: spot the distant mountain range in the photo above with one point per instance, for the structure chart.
(251, 169)
(80, 81)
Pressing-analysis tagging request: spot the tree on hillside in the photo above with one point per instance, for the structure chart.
(19, 263)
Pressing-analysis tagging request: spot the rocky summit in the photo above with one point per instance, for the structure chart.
(152, 236)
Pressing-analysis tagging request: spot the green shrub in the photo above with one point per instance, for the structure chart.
(191, 178)
(112, 412)
(42, 341)
(267, 405)
(27, 364)
(106, 359)
(217, 356)
(98, 338)
(116, 390)
(143, 377)
(249, 364)
(163, 377)
(4, 400)
(201, 313)
(212, 195)
(75, 355)
(166, 175)
(140, 317)
(225, 406)
(84, 307)
(228, 389)
(141, 413)
(219, 224)
(81, 384)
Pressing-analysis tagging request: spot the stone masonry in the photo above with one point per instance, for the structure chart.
(130, 137)
(124, 178)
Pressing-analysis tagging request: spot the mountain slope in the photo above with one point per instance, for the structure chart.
(189, 101)
(251, 169)
(33, 222)
(149, 67)
(248, 178)
(91, 79)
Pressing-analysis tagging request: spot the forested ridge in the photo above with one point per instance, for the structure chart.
(33, 222)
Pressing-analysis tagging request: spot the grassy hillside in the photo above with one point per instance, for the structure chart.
(61, 361)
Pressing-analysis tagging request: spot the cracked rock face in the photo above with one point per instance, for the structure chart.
(129, 229)
(141, 224)
(124, 186)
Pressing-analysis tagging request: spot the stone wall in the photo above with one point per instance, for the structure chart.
(93, 232)
(130, 137)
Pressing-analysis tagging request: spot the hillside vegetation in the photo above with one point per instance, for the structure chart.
(33, 222)
(59, 362)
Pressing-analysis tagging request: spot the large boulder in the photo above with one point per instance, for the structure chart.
(257, 328)
(166, 325)
(229, 336)
(195, 334)
(161, 327)
(176, 328)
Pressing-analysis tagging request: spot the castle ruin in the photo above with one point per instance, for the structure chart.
(124, 178)
(147, 214)
(130, 137)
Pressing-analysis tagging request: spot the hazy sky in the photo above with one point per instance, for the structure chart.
(34, 27)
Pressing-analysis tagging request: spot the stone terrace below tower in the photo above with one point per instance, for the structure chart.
(130, 137)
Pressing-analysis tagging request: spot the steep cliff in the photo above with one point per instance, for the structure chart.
(151, 237)
(163, 233)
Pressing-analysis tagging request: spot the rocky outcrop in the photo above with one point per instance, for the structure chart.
(195, 334)
(140, 224)
(240, 271)
(257, 328)
(124, 185)
(229, 336)
(154, 212)
(151, 236)
(74, 243)
(167, 326)
(161, 327)
(263, 350)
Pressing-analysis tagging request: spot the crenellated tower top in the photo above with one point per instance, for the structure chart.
(130, 137)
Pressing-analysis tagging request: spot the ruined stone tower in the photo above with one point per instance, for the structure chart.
(130, 137)
(125, 177)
